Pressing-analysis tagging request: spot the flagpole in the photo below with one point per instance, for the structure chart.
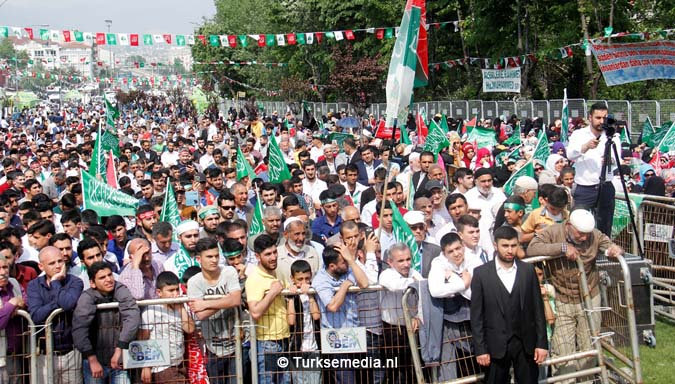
(386, 177)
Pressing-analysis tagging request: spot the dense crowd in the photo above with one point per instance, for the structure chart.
(335, 223)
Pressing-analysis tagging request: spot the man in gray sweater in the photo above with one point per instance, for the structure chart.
(101, 334)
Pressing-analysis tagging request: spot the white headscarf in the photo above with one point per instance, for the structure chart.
(550, 163)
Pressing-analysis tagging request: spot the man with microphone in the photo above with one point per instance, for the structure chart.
(587, 148)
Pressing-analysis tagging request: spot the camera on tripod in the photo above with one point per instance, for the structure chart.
(612, 126)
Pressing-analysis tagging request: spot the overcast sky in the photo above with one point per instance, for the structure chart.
(128, 16)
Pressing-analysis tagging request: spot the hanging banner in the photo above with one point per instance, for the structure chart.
(630, 62)
(501, 80)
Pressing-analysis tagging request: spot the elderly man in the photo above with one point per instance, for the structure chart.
(188, 235)
(272, 223)
(140, 274)
(208, 218)
(487, 197)
(574, 239)
(242, 208)
(295, 248)
(328, 159)
(56, 289)
(427, 250)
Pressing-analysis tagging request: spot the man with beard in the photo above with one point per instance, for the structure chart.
(367, 166)
(339, 307)
(487, 197)
(226, 205)
(294, 248)
(145, 219)
(214, 184)
(514, 335)
(208, 219)
(268, 193)
(268, 310)
(272, 222)
(188, 235)
(140, 274)
(170, 156)
(420, 178)
(311, 185)
(163, 245)
(185, 163)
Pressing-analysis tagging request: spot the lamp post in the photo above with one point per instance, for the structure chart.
(108, 22)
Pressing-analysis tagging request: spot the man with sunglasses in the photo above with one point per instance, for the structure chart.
(226, 205)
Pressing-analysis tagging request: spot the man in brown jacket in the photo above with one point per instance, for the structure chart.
(574, 239)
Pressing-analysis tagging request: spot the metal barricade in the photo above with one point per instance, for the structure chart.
(21, 349)
(657, 218)
(460, 108)
(475, 109)
(640, 111)
(619, 333)
(433, 108)
(541, 110)
(621, 110)
(490, 110)
(667, 110)
(505, 109)
(445, 108)
(524, 109)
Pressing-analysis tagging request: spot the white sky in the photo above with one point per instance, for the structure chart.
(139, 16)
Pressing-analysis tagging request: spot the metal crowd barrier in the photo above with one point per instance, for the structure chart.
(597, 351)
(21, 363)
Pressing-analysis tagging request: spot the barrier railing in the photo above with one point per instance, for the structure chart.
(577, 352)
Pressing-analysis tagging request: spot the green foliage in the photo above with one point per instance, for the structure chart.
(487, 28)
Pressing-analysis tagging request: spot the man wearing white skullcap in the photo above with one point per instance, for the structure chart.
(188, 235)
(577, 238)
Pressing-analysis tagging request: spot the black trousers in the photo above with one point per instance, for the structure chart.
(586, 197)
(524, 366)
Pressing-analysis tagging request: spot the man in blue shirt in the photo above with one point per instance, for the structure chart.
(329, 224)
(55, 289)
(339, 308)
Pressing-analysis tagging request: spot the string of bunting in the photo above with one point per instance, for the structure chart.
(174, 79)
(555, 54)
(231, 41)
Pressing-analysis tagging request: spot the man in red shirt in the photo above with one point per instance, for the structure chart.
(23, 274)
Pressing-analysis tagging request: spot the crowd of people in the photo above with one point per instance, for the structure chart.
(335, 224)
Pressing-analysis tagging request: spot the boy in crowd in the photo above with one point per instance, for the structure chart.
(302, 313)
(167, 321)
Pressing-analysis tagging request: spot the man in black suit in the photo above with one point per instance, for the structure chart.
(367, 166)
(420, 178)
(507, 314)
(146, 153)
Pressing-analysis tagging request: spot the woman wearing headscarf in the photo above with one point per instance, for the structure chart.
(469, 155)
(483, 159)
(559, 148)
(455, 149)
(646, 172)
(655, 186)
(555, 164)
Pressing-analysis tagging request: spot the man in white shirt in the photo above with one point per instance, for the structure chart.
(586, 148)
(487, 197)
(311, 185)
(469, 230)
(170, 156)
(395, 281)
(450, 279)
(354, 188)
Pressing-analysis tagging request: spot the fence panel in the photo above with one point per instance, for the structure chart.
(657, 225)
(667, 108)
(505, 109)
(640, 111)
(21, 350)
(621, 110)
(524, 109)
(445, 108)
(319, 110)
(433, 108)
(475, 109)
(541, 109)
(460, 109)
(489, 110)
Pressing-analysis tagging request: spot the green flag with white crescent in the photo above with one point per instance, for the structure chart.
(257, 220)
(403, 234)
(402, 66)
(243, 167)
(542, 150)
(436, 139)
(278, 169)
(564, 130)
(170, 212)
(104, 199)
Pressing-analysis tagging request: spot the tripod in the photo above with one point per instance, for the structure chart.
(610, 149)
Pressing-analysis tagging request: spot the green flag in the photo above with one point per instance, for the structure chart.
(411, 193)
(444, 123)
(243, 167)
(542, 151)
(484, 137)
(4, 32)
(436, 139)
(182, 261)
(44, 34)
(111, 113)
(621, 214)
(525, 170)
(180, 40)
(625, 137)
(112, 38)
(668, 139)
(270, 40)
(339, 138)
(257, 220)
(300, 37)
(104, 199)
(659, 134)
(147, 39)
(402, 66)
(515, 137)
(97, 166)
(170, 212)
(403, 234)
(110, 142)
(79, 36)
(278, 169)
(243, 40)
(647, 131)
(564, 130)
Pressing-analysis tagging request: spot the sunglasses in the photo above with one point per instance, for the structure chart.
(227, 207)
(417, 227)
(649, 174)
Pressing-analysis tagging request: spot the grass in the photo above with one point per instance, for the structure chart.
(657, 363)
